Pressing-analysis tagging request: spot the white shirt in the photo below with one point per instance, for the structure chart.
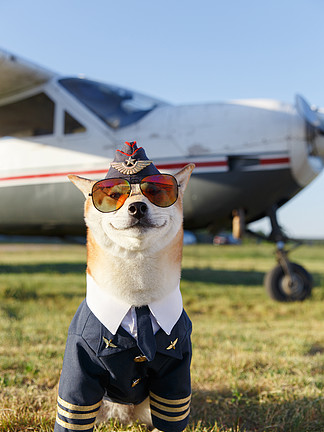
(113, 312)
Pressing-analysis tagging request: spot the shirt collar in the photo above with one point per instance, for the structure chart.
(110, 310)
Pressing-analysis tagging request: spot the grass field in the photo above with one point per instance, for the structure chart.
(257, 365)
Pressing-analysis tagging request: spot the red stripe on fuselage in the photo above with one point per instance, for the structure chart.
(164, 166)
(159, 166)
(198, 164)
(274, 161)
(34, 176)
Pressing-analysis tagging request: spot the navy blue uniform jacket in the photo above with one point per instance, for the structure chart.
(98, 364)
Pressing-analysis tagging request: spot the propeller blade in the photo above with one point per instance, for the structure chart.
(311, 116)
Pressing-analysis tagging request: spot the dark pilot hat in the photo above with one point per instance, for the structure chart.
(131, 163)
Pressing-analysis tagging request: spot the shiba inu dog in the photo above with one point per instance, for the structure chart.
(128, 349)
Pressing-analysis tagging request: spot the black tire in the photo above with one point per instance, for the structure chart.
(276, 284)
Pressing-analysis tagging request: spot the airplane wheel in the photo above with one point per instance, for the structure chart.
(280, 287)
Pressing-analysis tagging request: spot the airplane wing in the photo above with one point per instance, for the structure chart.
(17, 74)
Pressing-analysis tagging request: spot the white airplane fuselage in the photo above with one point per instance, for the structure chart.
(250, 154)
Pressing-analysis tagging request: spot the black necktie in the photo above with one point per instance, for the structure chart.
(145, 336)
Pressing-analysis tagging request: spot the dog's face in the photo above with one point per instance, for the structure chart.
(138, 225)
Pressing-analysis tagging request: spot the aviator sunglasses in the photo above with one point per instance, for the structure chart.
(109, 195)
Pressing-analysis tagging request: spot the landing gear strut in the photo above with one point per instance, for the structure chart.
(287, 281)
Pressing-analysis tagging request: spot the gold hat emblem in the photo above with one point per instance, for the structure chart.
(130, 165)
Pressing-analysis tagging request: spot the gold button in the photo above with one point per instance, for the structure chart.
(140, 359)
(135, 382)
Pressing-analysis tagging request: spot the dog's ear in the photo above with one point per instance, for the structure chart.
(183, 177)
(85, 185)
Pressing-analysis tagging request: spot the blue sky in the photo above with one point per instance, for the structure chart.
(183, 52)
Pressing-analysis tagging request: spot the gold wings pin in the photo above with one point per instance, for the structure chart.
(130, 166)
(108, 343)
(172, 345)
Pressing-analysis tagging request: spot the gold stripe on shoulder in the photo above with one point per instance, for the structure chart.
(77, 407)
(74, 427)
(77, 416)
(169, 418)
(170, 401)
(169, 409)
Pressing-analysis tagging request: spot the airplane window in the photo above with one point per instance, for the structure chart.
(71, 125)
(33, 116)
(117, 107)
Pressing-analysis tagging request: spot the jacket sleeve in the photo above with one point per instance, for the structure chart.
(81, 387)
(170, 392)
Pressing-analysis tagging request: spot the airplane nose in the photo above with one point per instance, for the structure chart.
(137, 209)
(314, 118)
(319, 146)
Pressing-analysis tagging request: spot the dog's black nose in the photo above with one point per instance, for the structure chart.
(137, 209)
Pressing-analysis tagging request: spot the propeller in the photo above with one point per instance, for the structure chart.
(316, 122)
(310, 115)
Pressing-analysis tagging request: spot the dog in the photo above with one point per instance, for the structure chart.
(128, 349)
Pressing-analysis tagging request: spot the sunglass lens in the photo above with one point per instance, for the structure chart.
(161, 190)
(109, 195)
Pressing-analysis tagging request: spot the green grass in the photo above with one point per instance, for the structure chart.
(257, 365)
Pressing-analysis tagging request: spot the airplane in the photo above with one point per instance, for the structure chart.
(251, 156)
